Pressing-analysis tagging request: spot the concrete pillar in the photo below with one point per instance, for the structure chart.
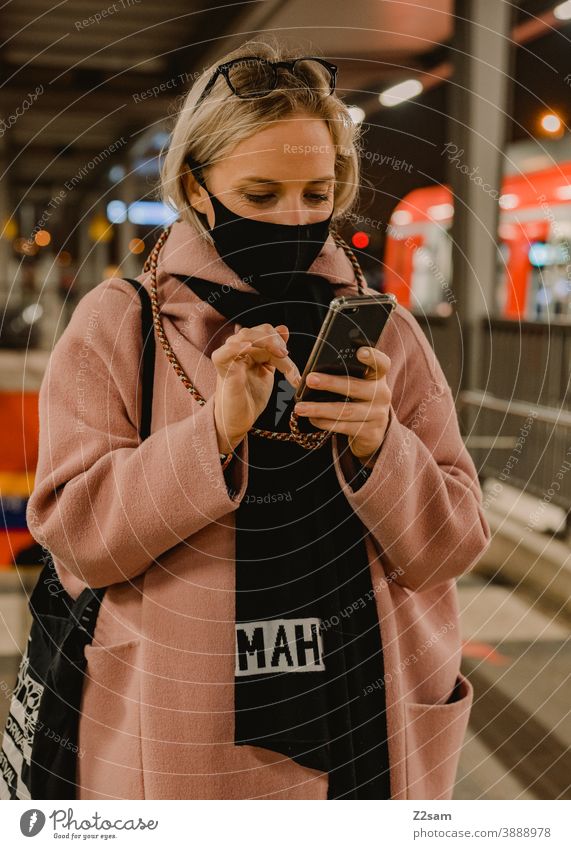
(480, 101)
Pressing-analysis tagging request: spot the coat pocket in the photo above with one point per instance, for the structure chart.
(434, 738)
(109, 763)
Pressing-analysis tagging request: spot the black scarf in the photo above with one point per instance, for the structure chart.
(305, 608)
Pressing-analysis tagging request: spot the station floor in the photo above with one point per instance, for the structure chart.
(518, 657)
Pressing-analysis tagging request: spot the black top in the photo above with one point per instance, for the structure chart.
(308, 640)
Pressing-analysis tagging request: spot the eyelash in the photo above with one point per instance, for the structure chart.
(262, 198)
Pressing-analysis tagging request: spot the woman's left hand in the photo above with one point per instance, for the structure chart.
(365, 417)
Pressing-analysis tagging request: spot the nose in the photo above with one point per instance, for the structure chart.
(293, 210)
(295, 216)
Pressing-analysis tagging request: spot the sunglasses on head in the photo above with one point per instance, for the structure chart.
(254, 76)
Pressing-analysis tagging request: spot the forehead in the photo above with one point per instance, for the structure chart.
(299, 147)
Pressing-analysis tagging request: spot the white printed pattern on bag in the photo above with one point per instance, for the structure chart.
(15, 755)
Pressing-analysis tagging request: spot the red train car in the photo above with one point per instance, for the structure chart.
(20, 376)
(534, 261)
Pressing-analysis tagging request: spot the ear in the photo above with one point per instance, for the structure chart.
(197, 196)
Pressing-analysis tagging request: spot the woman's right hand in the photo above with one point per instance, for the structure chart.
(246, 364)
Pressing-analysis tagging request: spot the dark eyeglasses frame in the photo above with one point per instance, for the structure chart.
(224, 69)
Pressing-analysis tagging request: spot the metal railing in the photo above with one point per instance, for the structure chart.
(517, 425)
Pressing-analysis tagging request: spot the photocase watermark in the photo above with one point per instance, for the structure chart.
(93, 163)
(206, 465)
(555, 226)
(493, 491)
(47, 213)
(81, 376)
(524, 432)
(550, 492)
(373, 156)
(52, 583)
(269, 497)
(64, 819)
(70, 184)
(198, 309)
(359, 220)
(455, 155)
(108, 12)
(48, 732)
(306, 149)
(428, 260)
(388, 161)
(347, 611)
(434, 395)
(411, 658)
(155, 90)
(7, 123)
(437, 274)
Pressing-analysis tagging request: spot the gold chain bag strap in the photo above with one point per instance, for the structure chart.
(307, 440)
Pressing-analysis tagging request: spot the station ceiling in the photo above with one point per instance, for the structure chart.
(94, 61)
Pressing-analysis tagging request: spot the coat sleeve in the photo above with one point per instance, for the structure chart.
(422, 500)
(105, 504)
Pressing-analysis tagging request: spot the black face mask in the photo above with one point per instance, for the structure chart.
(265, 254)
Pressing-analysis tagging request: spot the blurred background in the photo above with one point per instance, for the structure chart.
(465, 216)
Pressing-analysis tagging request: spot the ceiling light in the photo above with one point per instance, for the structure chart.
(563, 11)
(401, 92)
(551, 123)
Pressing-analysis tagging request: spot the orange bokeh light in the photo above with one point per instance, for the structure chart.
(136, 246)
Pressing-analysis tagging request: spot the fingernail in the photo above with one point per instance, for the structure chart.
(365, 352)
(313, 379)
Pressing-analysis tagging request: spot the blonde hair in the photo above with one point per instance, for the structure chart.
(208, 132)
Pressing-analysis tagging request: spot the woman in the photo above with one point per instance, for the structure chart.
(281, 614)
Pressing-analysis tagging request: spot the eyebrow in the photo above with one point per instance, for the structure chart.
(266, 181)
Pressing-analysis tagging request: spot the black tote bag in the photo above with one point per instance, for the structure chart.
(38, 757)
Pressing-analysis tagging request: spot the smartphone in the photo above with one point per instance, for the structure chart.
(351, 322)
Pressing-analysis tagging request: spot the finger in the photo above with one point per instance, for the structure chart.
(285, 364)
(265, 335)
(378, 362)
(349, 428)
(236, 347)
(227, 353)
(291, 373)
(361, 388)
(351, 387)
(338, 411)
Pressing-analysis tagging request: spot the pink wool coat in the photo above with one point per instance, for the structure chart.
(154, 522)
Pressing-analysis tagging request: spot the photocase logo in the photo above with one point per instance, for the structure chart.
(32, 822)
